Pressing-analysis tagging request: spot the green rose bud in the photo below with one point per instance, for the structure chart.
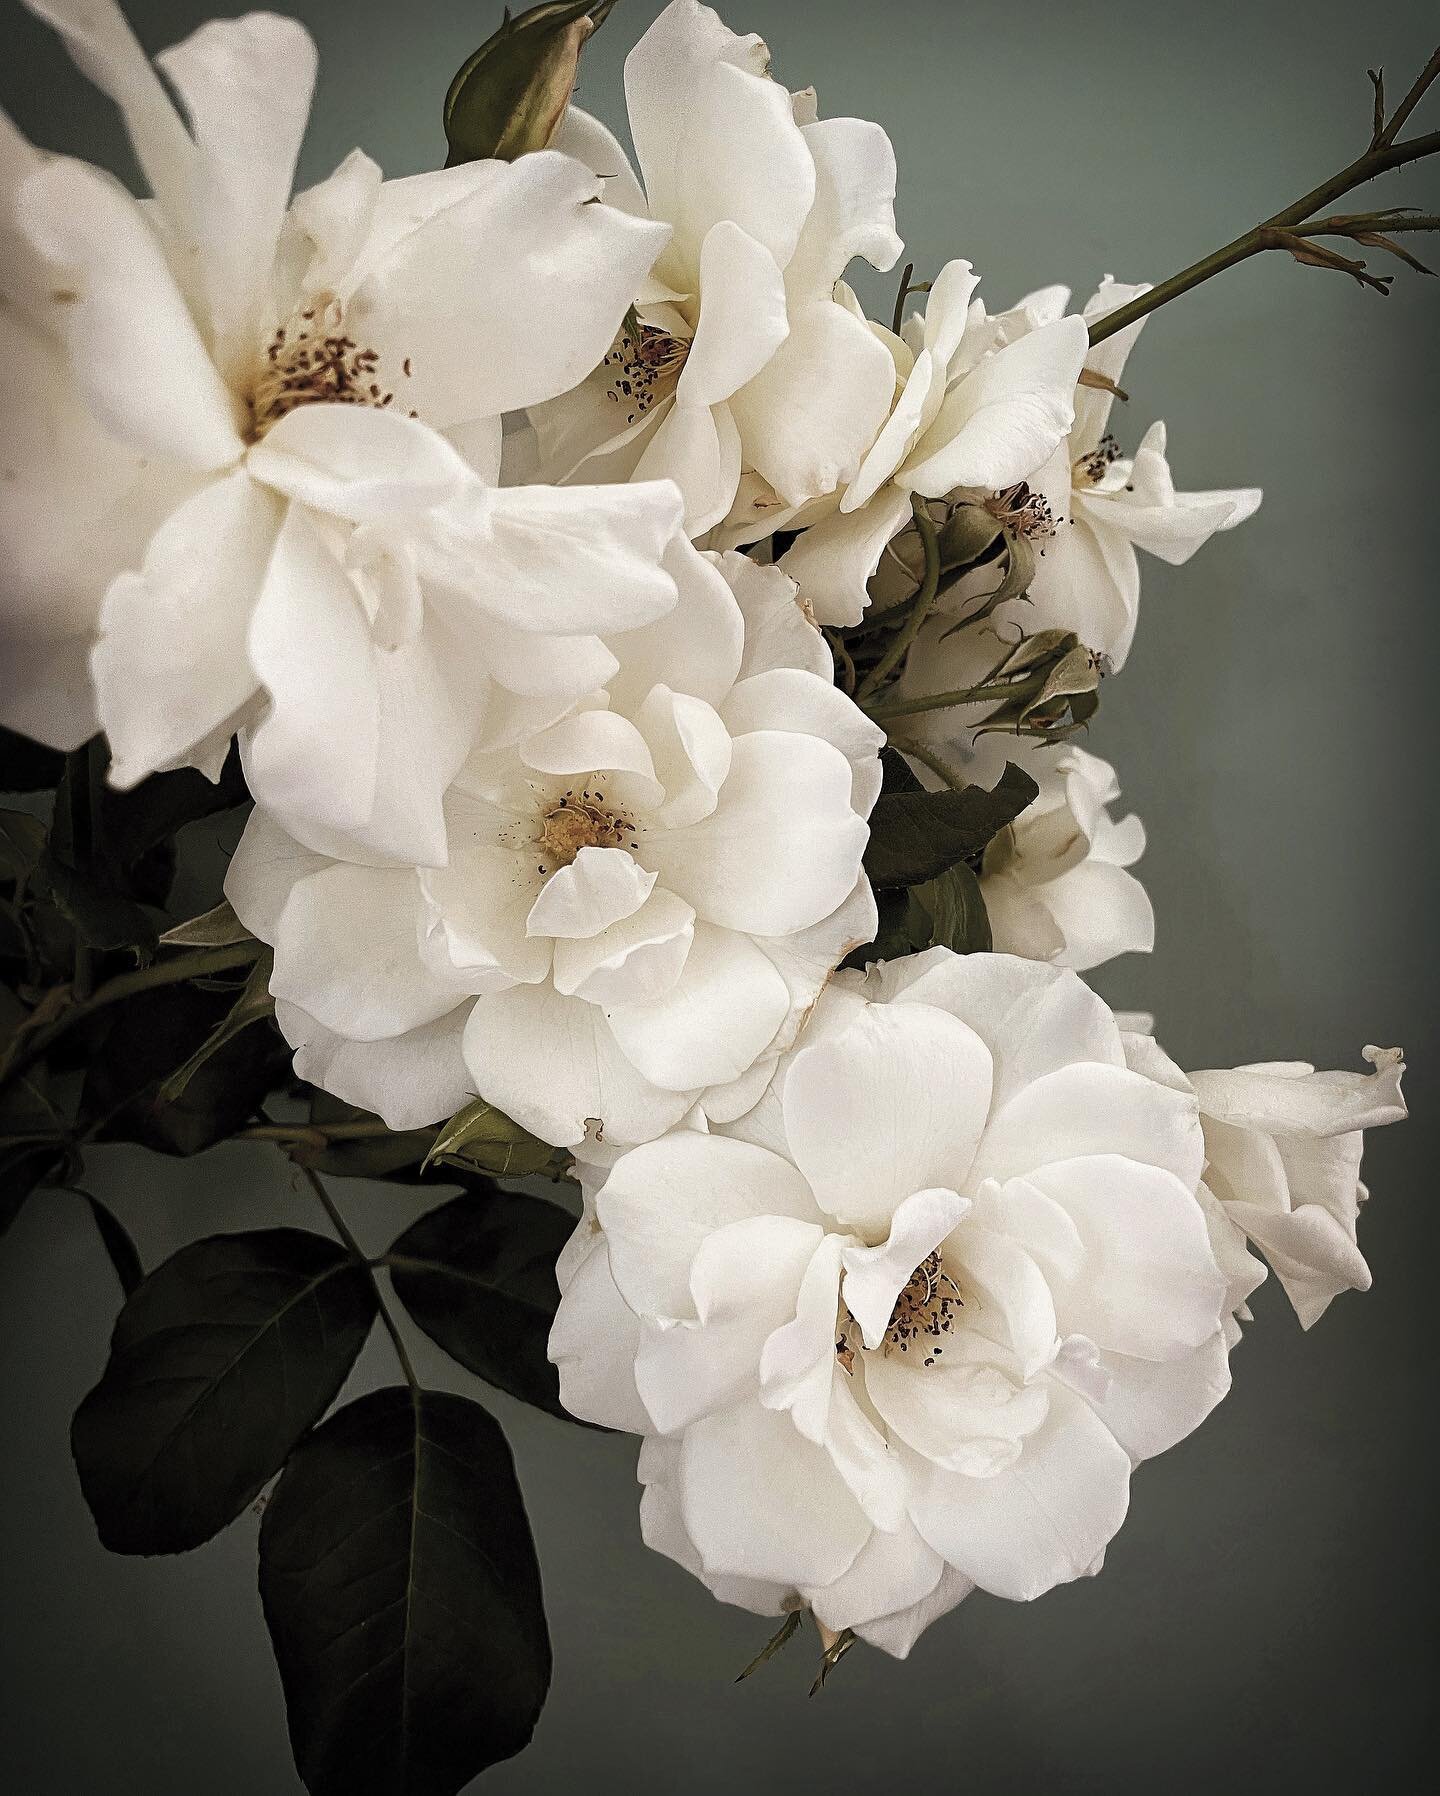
(510, 96)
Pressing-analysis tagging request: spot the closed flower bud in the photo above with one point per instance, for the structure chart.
(512, 93)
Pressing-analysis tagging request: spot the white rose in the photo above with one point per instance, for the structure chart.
(904, 1328)
(972, 411)
(1057, 883)
(1283, 1145)
(742, 359)
(235, 428)
(641, 901)
(1101, 505)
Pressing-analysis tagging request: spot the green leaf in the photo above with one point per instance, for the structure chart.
(152, 1034)
(403, 1598)
(218, 928)
(478, 1275)
(896, 773)
(484, 1139)
(24, 1165)
(115, 1239)
(254, 1005)
(966, 535)
(26, 766)
(895, 934)
(22, 842)
(508, 98)
(155, 811)
(951, 909)
(34, 1149)
(112, 853)
(85, 881)
(222, 1359)
(101, 917)
(916, 835)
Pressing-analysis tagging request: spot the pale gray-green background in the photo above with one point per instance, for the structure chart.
(1264, 1620)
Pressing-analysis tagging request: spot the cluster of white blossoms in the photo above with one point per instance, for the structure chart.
(563, 544)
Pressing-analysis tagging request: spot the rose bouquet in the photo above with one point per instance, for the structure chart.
(633, 703)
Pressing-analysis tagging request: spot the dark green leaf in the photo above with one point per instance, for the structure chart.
(223, 1358)
(101, 917)
(218, 928)
(896, 773)
(254, 1005)
(33, 1128)
(895, 935)
(158, 808)
(398, 1158)
(483, 1139)
(115, 1239)
(511, 94)
(22, 842)
(952, 908)
(152, 1034)
(403, 1598)
(26, 766)
(916, 835)
(966, 535)
(111, 853)
(23, 1166)
(478, 1275)
(81, 877)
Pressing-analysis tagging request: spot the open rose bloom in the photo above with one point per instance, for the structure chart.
(268, 436)
(649, 713)
(881, 1363)
(639, 904)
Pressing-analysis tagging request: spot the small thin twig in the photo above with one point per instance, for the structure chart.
(28, 1049)
(353, 1248)
(1388, 133)
(1383, 154)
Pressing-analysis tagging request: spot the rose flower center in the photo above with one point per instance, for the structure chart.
(311, 360)
(582, 820)
(642, 369)
(924, 1316)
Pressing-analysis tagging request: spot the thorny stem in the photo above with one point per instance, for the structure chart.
(28, 1049)
(919, 606)
(1382, 155)
(917, 751)
(1343, 224)
(1386, 134)
(353, 1248)
(311, 1135)
(843, 661)
(1001, 690)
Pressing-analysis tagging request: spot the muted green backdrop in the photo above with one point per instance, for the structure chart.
(1264, 1621)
